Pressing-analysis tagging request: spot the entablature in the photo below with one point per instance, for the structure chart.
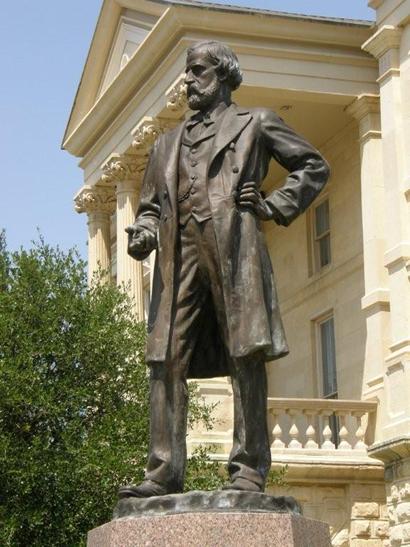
(298, 54)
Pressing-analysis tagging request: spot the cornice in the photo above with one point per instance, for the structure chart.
(95, 200)
(166, 35)
(385, 39)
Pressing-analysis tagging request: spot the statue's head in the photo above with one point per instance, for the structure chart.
(212, 73)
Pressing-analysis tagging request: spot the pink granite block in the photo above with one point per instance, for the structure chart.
(212, 530)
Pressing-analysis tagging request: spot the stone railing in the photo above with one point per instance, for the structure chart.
(321, 427)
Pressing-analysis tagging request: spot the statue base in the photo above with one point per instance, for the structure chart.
(195, 519)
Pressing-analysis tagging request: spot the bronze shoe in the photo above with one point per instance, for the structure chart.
(242, 484)
(146, 489)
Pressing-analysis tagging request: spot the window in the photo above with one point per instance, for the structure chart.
(328, 370)
(328, 358)
(321, 237)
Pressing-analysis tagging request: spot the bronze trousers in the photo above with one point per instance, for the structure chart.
(198, 280)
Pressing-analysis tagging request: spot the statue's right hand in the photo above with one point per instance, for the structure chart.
(140, 240)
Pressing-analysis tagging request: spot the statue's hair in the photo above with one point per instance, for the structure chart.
(224, 59)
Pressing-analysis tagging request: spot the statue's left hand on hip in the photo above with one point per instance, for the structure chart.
(249, 196)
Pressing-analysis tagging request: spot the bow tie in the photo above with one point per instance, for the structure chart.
(199, 118)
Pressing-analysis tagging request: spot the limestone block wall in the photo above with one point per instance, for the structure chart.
(356, 512)
(396, 456)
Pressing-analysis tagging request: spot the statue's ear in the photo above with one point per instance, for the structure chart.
(221, 73)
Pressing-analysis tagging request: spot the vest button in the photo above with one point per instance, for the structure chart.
(194, 163)
(235, 169)
(165, 194)
(194, 150)
(193, 177)
(232, 146)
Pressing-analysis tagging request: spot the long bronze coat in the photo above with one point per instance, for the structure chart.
(242, 149)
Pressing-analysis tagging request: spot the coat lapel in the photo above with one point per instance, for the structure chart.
(233, 122)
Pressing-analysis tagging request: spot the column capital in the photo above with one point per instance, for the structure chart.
(364, 105)
(385, 46)
(176, 96)
(386, 38)
(145, 133)
(122, 167)
(366, 110)
(147, 130)
(95, 199)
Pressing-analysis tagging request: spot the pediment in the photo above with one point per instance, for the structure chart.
(133, 27)
(122, 27)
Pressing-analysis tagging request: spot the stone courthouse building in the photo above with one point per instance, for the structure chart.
(339, 406)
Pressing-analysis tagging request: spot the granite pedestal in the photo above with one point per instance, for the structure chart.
(210, 519)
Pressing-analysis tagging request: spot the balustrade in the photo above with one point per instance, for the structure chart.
(321, 426)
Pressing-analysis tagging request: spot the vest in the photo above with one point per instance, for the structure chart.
(194, 154)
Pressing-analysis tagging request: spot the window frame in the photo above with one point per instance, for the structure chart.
(318, 357)
(314, 263)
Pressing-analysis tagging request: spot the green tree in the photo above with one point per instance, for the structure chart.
(73, 399)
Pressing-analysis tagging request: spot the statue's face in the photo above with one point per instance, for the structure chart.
(202, 81)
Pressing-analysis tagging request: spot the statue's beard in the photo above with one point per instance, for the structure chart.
(200, 100)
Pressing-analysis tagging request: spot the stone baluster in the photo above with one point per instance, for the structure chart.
(343, 430)
(294, 430)
(360, 432)
(99, 204)
(125, 171)
(311, 443)
(327, 443)
(277, 430)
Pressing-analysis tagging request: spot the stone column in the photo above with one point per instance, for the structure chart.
(125, 171)
(376, 301)
(391, 45)
(385, 46)
(99, 204)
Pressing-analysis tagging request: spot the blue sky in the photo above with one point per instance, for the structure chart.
(43, 46)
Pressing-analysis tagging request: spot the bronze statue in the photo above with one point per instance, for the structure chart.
(214, 309)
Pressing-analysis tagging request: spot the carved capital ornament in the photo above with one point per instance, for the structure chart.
(122, 167)
(95, 200)
(176, 95)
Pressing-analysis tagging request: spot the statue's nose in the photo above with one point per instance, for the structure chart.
(188, 78)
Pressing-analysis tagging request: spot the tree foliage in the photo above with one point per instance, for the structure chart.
(73, 399)
(74, 414)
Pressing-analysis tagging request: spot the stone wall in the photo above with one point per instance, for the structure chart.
(356, 512)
